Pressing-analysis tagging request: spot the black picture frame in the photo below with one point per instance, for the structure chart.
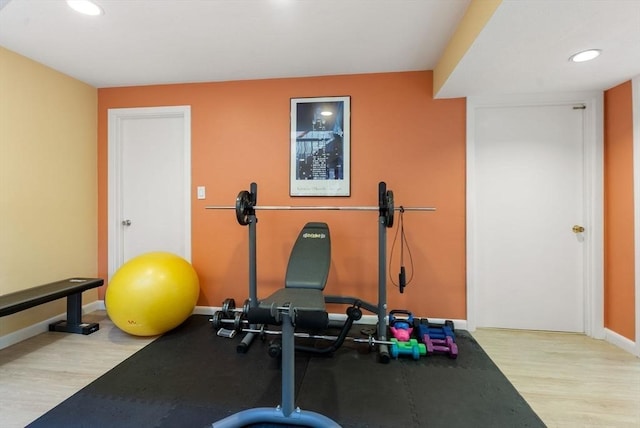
(320, 146)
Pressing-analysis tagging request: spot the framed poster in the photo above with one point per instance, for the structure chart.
(320, 146)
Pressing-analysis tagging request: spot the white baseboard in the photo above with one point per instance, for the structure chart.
(205, 310)
(366, 319)
(621, 342)
(43, 326)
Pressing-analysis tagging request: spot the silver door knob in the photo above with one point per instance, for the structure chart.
(126, 222)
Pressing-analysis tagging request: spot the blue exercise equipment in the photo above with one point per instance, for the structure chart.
(437, 338)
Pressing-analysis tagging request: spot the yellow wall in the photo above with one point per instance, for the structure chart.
(475, 18)
(48, 182)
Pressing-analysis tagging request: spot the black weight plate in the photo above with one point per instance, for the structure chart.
(216, 320)
(389, 208)
(237, 322)
(228, 306)
(246, 306)
(244, 207)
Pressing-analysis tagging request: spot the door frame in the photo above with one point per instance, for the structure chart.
(593, 189)
(116, 117)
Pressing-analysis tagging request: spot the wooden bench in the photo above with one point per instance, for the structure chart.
(71, 288)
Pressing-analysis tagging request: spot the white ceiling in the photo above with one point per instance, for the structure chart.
(526, 45)
(523, 48)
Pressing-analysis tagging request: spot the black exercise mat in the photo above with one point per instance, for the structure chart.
(190, 377)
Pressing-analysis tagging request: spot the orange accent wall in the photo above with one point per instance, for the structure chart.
(619, 299)
(240, 134)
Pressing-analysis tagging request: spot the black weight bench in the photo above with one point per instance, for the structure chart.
(71, 288)
(299, 304)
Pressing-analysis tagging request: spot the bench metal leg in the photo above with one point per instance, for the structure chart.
(73, 323)
(286, 413)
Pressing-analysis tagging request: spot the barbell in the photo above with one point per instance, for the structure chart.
(246, 207)
(372, 341)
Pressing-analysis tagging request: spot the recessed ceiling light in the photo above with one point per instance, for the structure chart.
(85, 7)
(587, 55)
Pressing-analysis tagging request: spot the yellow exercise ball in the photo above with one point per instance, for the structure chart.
(152, 294)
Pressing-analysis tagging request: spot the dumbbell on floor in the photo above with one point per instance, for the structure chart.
(230, 315)
(229, 307)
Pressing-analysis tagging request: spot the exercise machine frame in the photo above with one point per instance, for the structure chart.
(246, 213)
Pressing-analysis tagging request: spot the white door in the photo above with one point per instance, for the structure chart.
(149, 182)
(528, 180)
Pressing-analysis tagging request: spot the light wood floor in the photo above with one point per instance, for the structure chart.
(568, 379)
(41, 372)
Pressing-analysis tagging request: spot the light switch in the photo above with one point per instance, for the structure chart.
(202, 194)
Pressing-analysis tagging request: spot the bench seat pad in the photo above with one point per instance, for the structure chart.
(306, 305)
(24, 299)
